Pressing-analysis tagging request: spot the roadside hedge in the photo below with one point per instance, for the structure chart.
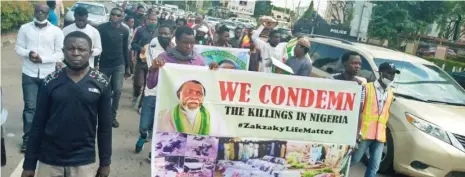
(15, 13)
(448, 64)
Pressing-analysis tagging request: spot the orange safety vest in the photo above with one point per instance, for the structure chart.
(373, 125)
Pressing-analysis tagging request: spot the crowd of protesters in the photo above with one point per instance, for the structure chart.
(72, 77)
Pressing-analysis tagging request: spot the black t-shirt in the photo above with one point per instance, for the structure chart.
(66, 119)
(114, 46)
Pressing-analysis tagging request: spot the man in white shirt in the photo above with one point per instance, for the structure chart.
(274, 48)
(39, 44)
(80, 24)
(157, 46)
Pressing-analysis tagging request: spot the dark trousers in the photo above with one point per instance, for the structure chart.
(116, 76)
(140, 76)
(31, 86)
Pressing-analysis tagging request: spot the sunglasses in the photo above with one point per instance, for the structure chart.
(113, 14)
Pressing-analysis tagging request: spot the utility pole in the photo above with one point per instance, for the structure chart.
(315, 19)
(360, 22)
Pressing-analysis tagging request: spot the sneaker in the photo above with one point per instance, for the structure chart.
(140, 144)
(115, 123)
(150, 157)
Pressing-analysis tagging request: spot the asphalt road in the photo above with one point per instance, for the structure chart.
(125, 162)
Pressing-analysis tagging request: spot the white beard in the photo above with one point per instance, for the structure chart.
(191, 114)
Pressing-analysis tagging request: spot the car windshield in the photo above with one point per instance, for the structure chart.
(425, 82)
(92, 9)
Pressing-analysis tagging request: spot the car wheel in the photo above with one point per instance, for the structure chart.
(387, 158)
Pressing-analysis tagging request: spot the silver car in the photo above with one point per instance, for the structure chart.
(98, 13)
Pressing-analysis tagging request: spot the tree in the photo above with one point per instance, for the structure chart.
(341, 12)
(449, 21)
(309, 12)
(393, 19)
(262, 8)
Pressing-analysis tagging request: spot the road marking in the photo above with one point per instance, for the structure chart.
(18, 169)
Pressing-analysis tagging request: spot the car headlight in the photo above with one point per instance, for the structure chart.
(434, 130)
(428, 128)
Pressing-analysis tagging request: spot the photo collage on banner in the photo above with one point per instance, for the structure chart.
(242, 124)
(227, 58)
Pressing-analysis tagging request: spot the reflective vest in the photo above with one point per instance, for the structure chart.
(373, 125)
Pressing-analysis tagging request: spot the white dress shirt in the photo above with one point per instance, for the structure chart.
(268, 51)
(381, 95)
(94, 36)
(46, 42)
(154, 50)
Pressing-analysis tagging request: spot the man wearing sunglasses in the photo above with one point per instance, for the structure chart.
(113, 61)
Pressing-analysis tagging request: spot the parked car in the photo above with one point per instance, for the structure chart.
(425, 132)
(286, 34)
(459, 77)
(98, 13)
(212, 21)
(244, 20)
(430, 51)
(228, 23)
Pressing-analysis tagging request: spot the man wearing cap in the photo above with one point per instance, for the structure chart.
(299, 62)
(374, 116)
(201, 36)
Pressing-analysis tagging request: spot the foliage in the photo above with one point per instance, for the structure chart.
(341, 12)
(15, 13)
(447, 22)
(262, 8)
(448, 64)
(281, 9)
(408, 18)
(308, 13)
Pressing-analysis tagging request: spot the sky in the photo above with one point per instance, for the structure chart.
(303, 3)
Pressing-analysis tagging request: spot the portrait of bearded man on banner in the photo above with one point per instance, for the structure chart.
(189, 115)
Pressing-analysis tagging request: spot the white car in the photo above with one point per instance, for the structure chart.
(98, 13)
(426, 127)
(212, 21)
(244, 21)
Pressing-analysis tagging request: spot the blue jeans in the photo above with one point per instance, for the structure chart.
(116, 76)
(147, 114)
(376, 151)
(31, 86)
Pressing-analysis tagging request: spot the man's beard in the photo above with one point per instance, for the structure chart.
(191, 114)
(76, 68)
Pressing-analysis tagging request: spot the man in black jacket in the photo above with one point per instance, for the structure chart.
(114, 60)
(73, 102)
(139, 44)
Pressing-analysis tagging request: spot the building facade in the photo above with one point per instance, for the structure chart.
(243, 8)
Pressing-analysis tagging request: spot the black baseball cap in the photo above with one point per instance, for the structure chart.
(388, 67)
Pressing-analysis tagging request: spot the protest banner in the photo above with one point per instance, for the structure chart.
(220, 55)
(230, 123)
